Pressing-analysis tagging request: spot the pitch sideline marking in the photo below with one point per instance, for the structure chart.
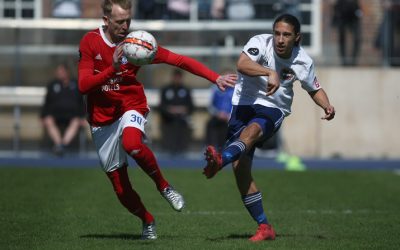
(308, 211)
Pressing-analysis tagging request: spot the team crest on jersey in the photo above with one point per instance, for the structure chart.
(124, 60)
(253, 51)
(287, 74)
(316, 83)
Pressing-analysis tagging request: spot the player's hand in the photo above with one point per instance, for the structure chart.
(329, 113)
(228, 80)
(117, 57)
(273, 82)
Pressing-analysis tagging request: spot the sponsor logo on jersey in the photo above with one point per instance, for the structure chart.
(316, 83)
(124, 60)
(287, 74)
(98, 57)
(253, 51)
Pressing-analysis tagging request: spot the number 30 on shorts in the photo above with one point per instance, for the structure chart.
(136, 119)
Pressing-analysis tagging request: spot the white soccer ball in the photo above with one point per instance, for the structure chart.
(140, 47)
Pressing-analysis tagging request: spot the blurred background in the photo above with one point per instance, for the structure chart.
(359, 70)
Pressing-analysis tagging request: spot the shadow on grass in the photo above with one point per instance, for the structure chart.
(121, 236)
(247, 236)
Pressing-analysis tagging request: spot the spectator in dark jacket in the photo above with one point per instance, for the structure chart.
(63, 110)
(176, 107)
(347, 18)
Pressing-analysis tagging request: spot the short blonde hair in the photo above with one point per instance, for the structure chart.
(107, 5)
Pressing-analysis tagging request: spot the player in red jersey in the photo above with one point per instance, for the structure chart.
(117, 107)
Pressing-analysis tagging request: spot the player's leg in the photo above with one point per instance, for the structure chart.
(127, 196)
(114, 162)
(248, 125)
(249, 135)
(240, 115)
(251, 197)
(131, 201)
(132, 142)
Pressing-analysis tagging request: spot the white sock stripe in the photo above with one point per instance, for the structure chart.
(239, 144)
(252, 199)
(248, 199)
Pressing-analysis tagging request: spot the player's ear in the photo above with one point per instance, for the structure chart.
(106, 20)
(298, 38)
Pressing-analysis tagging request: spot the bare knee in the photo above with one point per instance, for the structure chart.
(251, 134)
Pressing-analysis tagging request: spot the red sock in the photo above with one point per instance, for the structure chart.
(127, 196)
(144, 157)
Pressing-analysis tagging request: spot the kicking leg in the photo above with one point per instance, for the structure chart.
(216, 161)
(134, 146)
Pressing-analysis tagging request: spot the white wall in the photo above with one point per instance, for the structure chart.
(367, 102)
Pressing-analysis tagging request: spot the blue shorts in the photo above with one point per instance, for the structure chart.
(269, 119)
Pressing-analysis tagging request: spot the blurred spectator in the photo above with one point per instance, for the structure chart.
(151, 9)
(239, 9)
(145, 9)
(63, 111)
(264, 9)
(178, 9)
(220, 110)
(176, 107)
(67, 8)
(211, 9)
(347, 18)
(288, 6)
(204, 9)
(218, 9)
(389, 29)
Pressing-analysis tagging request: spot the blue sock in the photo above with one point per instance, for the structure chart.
(253, 203)
(233, 152)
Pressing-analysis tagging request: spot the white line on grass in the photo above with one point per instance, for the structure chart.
(307, 211)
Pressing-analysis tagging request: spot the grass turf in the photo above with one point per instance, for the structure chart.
(49, 208)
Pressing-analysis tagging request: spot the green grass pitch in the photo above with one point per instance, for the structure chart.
(50, 208)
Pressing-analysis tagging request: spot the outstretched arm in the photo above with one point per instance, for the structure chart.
(195, 67)
(249, 67)
(321, 99)
(228, 80)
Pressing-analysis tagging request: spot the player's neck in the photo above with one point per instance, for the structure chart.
(107, 34)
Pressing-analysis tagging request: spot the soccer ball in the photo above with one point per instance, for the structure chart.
(139, 47)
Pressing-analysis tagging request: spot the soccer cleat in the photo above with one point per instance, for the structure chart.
(264, 232)
(174, 198)
(214, 162)
(149, 231)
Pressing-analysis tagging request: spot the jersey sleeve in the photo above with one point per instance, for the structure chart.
(187, 63)
(87, 80)
(308, 79)
(254, 48)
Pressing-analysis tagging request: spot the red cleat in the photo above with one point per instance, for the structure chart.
(264, 232)
(214, 162)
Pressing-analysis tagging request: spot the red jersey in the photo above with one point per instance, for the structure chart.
(110, 93)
